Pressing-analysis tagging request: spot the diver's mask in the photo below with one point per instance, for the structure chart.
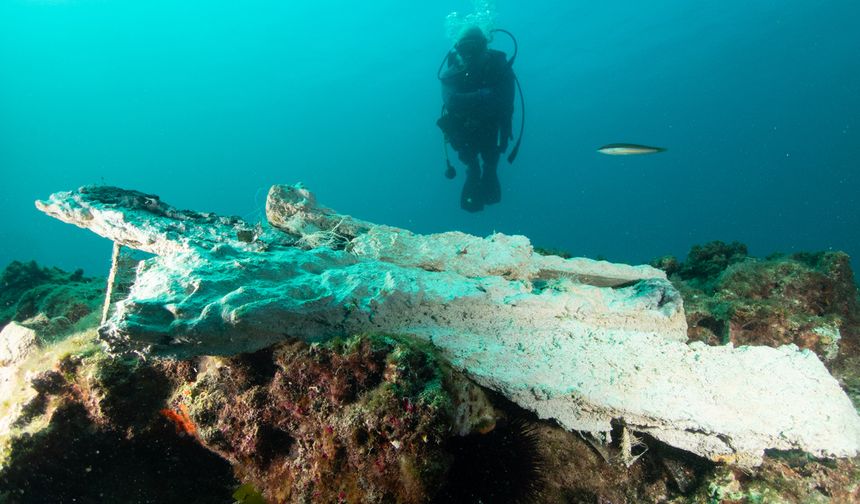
(472, 44)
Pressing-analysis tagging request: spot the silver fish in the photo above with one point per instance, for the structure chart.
(626, 149)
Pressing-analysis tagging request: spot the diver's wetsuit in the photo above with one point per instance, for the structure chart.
(479, 103)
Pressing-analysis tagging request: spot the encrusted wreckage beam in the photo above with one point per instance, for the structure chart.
(294, 210)
(579, 341)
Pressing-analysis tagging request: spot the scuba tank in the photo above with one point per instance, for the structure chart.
(451, 57)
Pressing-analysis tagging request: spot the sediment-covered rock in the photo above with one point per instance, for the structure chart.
(579, 341)
(16, 342)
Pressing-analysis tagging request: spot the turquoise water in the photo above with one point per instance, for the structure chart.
(209, 103)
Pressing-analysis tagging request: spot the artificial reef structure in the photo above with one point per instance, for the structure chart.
(585, 343)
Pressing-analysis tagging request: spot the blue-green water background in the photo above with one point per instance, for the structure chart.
(209, 103)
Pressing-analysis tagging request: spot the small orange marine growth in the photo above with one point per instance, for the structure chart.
(181, 420)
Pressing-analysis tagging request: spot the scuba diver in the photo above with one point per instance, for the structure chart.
(478, 105)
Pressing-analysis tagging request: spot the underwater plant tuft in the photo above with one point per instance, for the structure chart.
(707, 261)
(247, 494)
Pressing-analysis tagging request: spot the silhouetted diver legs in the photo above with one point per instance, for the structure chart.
(482, 185)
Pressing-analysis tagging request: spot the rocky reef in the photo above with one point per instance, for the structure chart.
(581, 342)
(806, 299)
(47, 298)
(809, 300)
(75, 423)
(320, 358)
(372, 418)
(362, 420)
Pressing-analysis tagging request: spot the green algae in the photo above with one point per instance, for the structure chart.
(706, 262)
(246, 494)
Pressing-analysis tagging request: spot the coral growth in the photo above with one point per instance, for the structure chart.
(180, 419)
